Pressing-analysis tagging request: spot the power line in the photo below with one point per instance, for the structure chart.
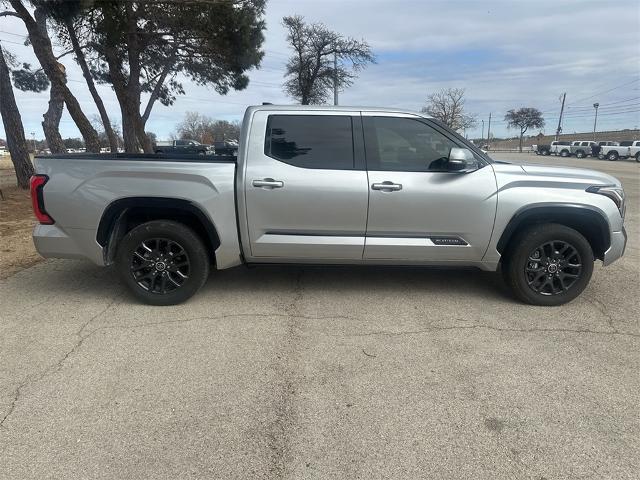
(607, 91)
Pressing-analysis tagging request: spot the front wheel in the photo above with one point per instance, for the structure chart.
(162, 262)
(548, 264)
(564, 153)
(580, 154)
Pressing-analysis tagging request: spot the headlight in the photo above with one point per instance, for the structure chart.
(614, 192)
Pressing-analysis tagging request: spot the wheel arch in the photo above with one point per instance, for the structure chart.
(587, 220)
(123, 214)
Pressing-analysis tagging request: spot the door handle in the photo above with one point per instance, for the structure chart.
(387, 186)
(268, 183)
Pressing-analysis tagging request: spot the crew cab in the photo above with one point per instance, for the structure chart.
(329, 185)
(183, 147)
(626, 149)
(581, 148)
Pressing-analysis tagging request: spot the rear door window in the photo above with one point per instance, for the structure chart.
(311, 141)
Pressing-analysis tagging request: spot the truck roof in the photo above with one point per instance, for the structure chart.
(331, 108)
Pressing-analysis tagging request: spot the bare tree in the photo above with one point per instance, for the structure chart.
(204, 129)
(447, 106)
(13, 128)
(311, 71)
(524, 118)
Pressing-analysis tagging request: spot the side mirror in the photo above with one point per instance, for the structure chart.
(461, 160)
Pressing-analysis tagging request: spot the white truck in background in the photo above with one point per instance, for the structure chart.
(626, 149)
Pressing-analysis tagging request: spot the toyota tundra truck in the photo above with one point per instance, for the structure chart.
(329, 185)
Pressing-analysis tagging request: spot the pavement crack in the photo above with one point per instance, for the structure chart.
(54, 367)
(601, 307)
(279, 430)
(487, 327)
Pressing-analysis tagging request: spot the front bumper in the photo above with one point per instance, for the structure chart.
(618, 245)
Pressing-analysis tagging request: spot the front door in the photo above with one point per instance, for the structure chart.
(306, 186)
(418, 211)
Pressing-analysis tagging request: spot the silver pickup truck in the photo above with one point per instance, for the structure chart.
(329, 185)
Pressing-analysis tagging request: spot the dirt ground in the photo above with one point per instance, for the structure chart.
(16, 223)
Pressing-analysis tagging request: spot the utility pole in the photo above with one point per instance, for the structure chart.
(489, 133)
(595, 120)
(564, 95)
(335, 78)
(482, 137)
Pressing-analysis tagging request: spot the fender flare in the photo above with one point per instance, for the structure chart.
(588, 220)
(111, 226)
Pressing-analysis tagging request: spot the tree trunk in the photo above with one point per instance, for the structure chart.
(143, 139)
(51, 123)
(13, 128)
(128, 129)
(44, 52)
(520, 146)
(111, 135)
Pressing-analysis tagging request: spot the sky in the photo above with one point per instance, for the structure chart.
(505, 54)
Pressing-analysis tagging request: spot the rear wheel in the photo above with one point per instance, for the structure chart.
(612, 156)
(638, 157)
(162, 262)
(549, 264)
(580, 154)
(564, 153)
(546, 153)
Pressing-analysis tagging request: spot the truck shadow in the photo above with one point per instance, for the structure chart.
(359, 281)
(78, 279)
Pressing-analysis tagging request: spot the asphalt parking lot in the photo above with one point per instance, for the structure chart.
(323, 373)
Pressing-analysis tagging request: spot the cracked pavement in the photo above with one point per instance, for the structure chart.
(341, 372)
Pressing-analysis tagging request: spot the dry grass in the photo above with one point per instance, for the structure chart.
(16, 223)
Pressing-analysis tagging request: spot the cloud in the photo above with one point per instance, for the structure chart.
(505, 54)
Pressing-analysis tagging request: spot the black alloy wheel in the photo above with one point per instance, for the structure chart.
(548, 264)
(160, 265)
(163, 262)
(553, 267)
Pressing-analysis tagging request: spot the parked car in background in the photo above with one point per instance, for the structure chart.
(560, 147)
(541, 149)
(183, 147)
(626, 149)
(304, 191)
(595, 149)
(581, 148)
(226, 148)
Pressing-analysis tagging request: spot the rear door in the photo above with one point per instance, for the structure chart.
(418, 211)
(305, 186)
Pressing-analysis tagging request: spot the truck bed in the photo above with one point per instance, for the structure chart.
(82, 187)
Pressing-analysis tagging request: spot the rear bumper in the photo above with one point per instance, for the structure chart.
(53, 242)
(616, 250)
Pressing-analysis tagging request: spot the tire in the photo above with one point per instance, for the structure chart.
(546, 153)
(638, 157)
(162, 262)
(564, 153)
(529, 279)
(612, 156)
(580, 154)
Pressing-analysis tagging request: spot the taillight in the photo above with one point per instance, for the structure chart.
(37, 199)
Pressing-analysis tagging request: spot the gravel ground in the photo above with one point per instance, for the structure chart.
(323, 373)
